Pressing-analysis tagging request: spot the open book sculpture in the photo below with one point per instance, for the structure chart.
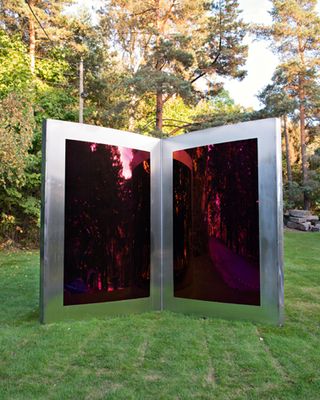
(191, 223)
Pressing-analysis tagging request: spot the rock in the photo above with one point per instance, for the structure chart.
(304, 226)
(315, 228)
(299, 213)
(312, 218)
(297, 219)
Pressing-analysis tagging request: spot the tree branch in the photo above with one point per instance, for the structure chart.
(219, 49)
(143, 12)
(176, 120)
(167, 15)
(178, 128)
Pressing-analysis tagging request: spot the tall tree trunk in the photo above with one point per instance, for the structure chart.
(288, 154)
(32, 40)
(159, 110)
(304, 165)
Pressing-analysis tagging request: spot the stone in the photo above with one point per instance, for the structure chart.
(304, 226)
(299, 213)
(297, 219)
(312, 218)
(315, 228)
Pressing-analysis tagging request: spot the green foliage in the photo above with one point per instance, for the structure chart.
(52, 71)
(28, 96)
(276, 98)
(314, 179)
(224, 51)
(167, 46)
(16, 133)
(180, 117)
(55, 103)
(15, 15)
(25, 100)
(15, 73)
(141, 65)
(295, 35)
(20, 205)
(292, 196)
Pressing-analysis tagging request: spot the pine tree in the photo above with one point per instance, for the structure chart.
(295, 35)
(278, 103)
(169, 45)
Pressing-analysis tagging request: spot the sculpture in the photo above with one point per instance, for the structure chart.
(191, 223)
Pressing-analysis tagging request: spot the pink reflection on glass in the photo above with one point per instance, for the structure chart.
(126, 156)
(216, 223)
(107, 223)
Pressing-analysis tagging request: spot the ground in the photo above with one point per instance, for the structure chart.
(161, 355)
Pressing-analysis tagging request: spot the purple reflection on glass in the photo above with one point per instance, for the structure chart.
(107, 223)
(216, 223)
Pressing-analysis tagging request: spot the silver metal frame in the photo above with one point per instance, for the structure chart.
(267, 133)
(52, 227)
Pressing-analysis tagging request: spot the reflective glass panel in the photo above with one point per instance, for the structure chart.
(216, 223)
(107, 223)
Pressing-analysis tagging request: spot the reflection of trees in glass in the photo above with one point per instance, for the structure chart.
(218, 203)
(182, 217)
(234, 196)
(140, 222)
(226, 195)
(102, 244)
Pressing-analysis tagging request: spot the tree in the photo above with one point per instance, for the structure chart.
(103, 76)
(27, 95)
(295, 33)
(277, 103)
(14, 65)
(315, 176)
(40, 23)
(169, 45)
(16, 133)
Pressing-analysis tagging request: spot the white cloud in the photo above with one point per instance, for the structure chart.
(256, 11)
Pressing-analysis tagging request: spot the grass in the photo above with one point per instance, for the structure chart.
(161, 355)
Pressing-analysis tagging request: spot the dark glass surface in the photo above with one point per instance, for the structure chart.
(107, 223)
(216, 223)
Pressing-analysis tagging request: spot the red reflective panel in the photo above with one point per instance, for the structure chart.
(216, 223)
(107, 223)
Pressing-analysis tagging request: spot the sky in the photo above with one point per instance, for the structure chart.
(261, 62)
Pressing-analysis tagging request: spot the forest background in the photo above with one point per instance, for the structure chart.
(153, 67)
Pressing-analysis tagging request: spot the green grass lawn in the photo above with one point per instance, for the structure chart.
(161, 355)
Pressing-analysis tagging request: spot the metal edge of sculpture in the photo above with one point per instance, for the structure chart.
(266, 133)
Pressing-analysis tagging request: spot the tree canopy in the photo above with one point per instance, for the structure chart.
(152, 67)
(295, 36)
